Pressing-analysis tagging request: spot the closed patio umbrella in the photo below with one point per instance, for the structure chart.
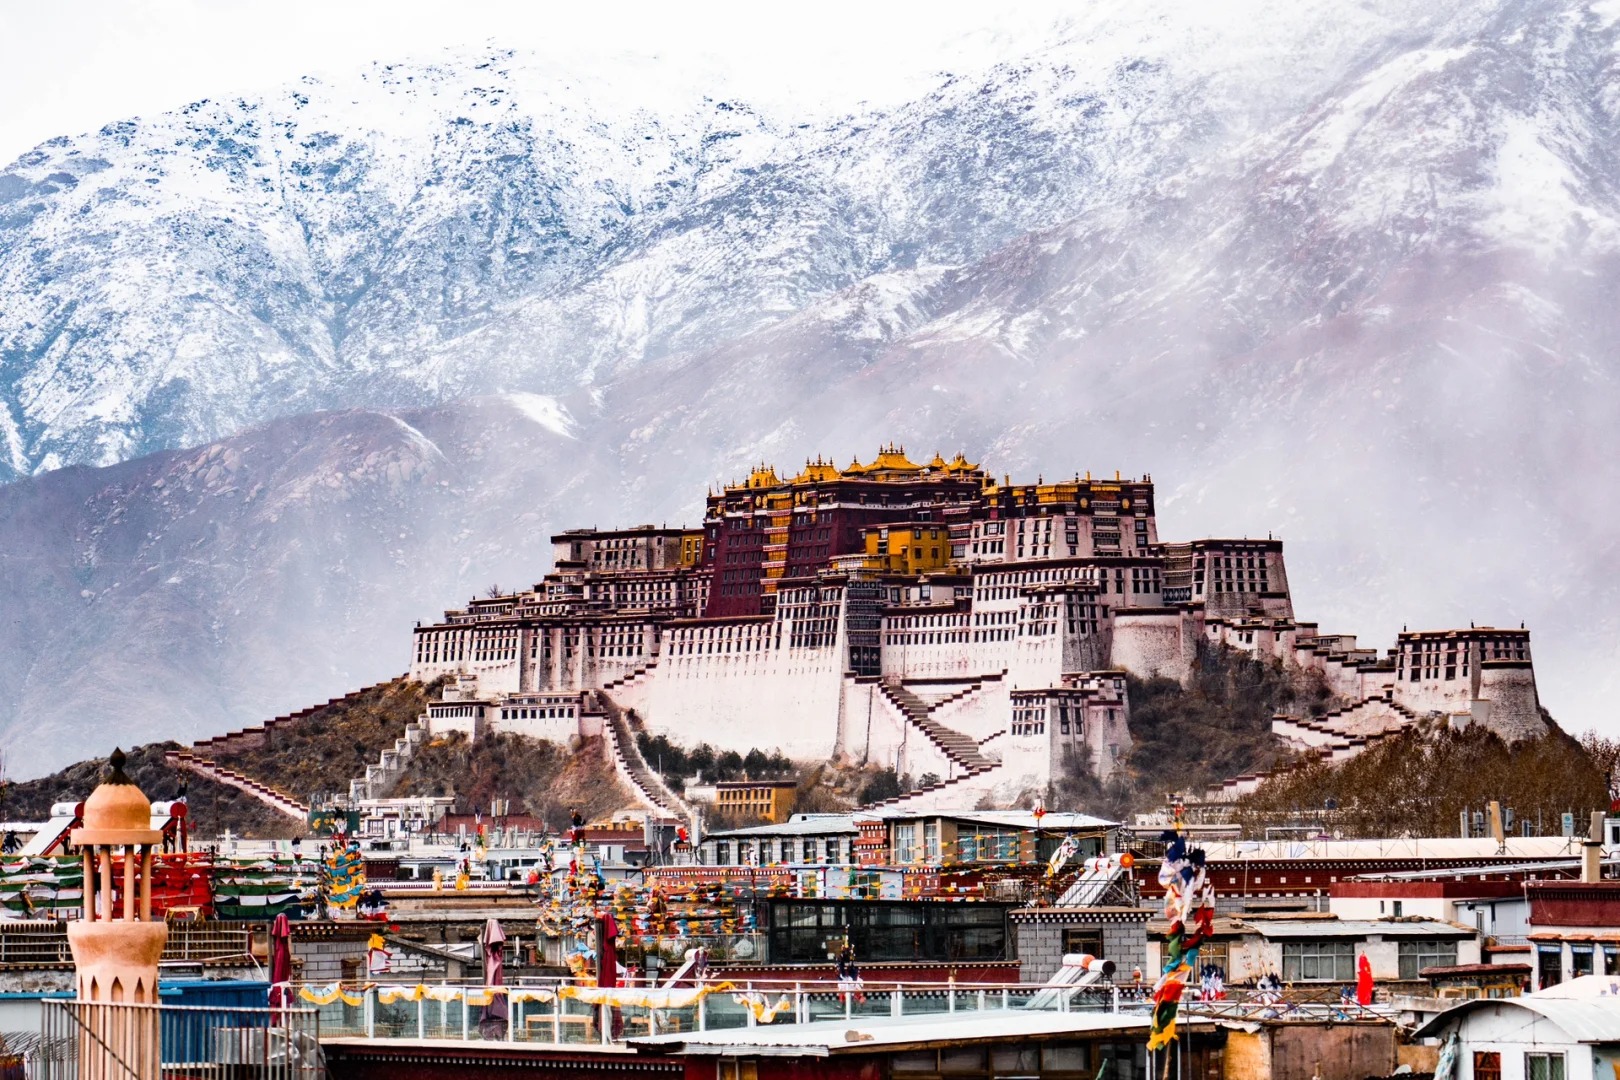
(281, 963)
(492, 1024)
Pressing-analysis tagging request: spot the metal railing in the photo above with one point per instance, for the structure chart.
(209, 941)
(42, 944)
(558, 1012)
(103, 1041)
(45, 944)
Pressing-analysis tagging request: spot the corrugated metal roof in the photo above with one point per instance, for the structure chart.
(1330, 928)
(1583, 1021)
(866, 1033)
(1519, 848)
(1017, 819)
(797, 825)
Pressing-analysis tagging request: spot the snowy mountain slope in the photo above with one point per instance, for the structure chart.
(195, 591)
(486, 222)
(1342, 274)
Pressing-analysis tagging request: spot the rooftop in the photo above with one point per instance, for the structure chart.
(797, 825)
(1014, 819)
(1340, 928)
(1584, 1021)
(1480, 849)
(863, 1035)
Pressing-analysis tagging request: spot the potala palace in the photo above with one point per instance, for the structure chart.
(931, 618)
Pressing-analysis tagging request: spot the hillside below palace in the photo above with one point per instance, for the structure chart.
(930, 618)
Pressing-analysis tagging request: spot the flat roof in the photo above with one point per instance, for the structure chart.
(1335, 928)
(1481, 850)
(865, 1034)
(797, 825)
(1019, 819)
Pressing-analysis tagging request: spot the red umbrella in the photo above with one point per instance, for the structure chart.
(607, 960)
(607, 951)
(492, 1024)
(280, 963)
(1364, 983)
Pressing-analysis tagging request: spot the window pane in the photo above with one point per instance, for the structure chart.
(962, 1060)
(922, 1061)
(1065, 1059)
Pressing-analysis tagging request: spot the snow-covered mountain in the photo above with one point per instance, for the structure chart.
(1345, 273)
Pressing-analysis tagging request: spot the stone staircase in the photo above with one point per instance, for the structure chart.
(380, 778)
(264, 793)
(252, 738)
(960, 791)
(627, 761)
(1334, 737)
(629, 677)
(960, 748)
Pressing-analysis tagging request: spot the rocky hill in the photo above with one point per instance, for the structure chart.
(1341, 273)
(317, 754)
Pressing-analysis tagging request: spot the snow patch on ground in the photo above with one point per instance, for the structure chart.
(548, 412)
(1534, 192)
(1333, 134)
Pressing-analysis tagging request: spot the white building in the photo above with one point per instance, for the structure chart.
(1571, 1032)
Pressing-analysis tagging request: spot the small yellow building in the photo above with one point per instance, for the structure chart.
(908, 549)
(768, 799)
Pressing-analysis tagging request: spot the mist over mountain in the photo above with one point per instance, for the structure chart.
(1342, 274)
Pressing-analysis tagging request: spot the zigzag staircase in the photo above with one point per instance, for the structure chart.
(629, 676)
(959, 782)
(1323, 738)
(959, 748)
(381, 777)
(627, 761)
(264, 793)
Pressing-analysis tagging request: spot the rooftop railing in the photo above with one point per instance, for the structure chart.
(171, 1042)
(557, 1012)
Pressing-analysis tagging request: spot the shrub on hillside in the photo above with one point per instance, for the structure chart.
(1419, 782)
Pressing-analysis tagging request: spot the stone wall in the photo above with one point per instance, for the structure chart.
(1148, 642)
(1039, 935)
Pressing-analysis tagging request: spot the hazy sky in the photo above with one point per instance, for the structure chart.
(66, 68)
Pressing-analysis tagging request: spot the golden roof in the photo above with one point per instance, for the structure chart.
(763, 476)
(893, 458)
(816, 471)
(854, 468)
(960, 463)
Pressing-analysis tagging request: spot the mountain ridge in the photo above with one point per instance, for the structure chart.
(1339, 275)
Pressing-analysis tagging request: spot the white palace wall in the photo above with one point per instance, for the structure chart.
(882, 735)
(729, 683)
(980, 711)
